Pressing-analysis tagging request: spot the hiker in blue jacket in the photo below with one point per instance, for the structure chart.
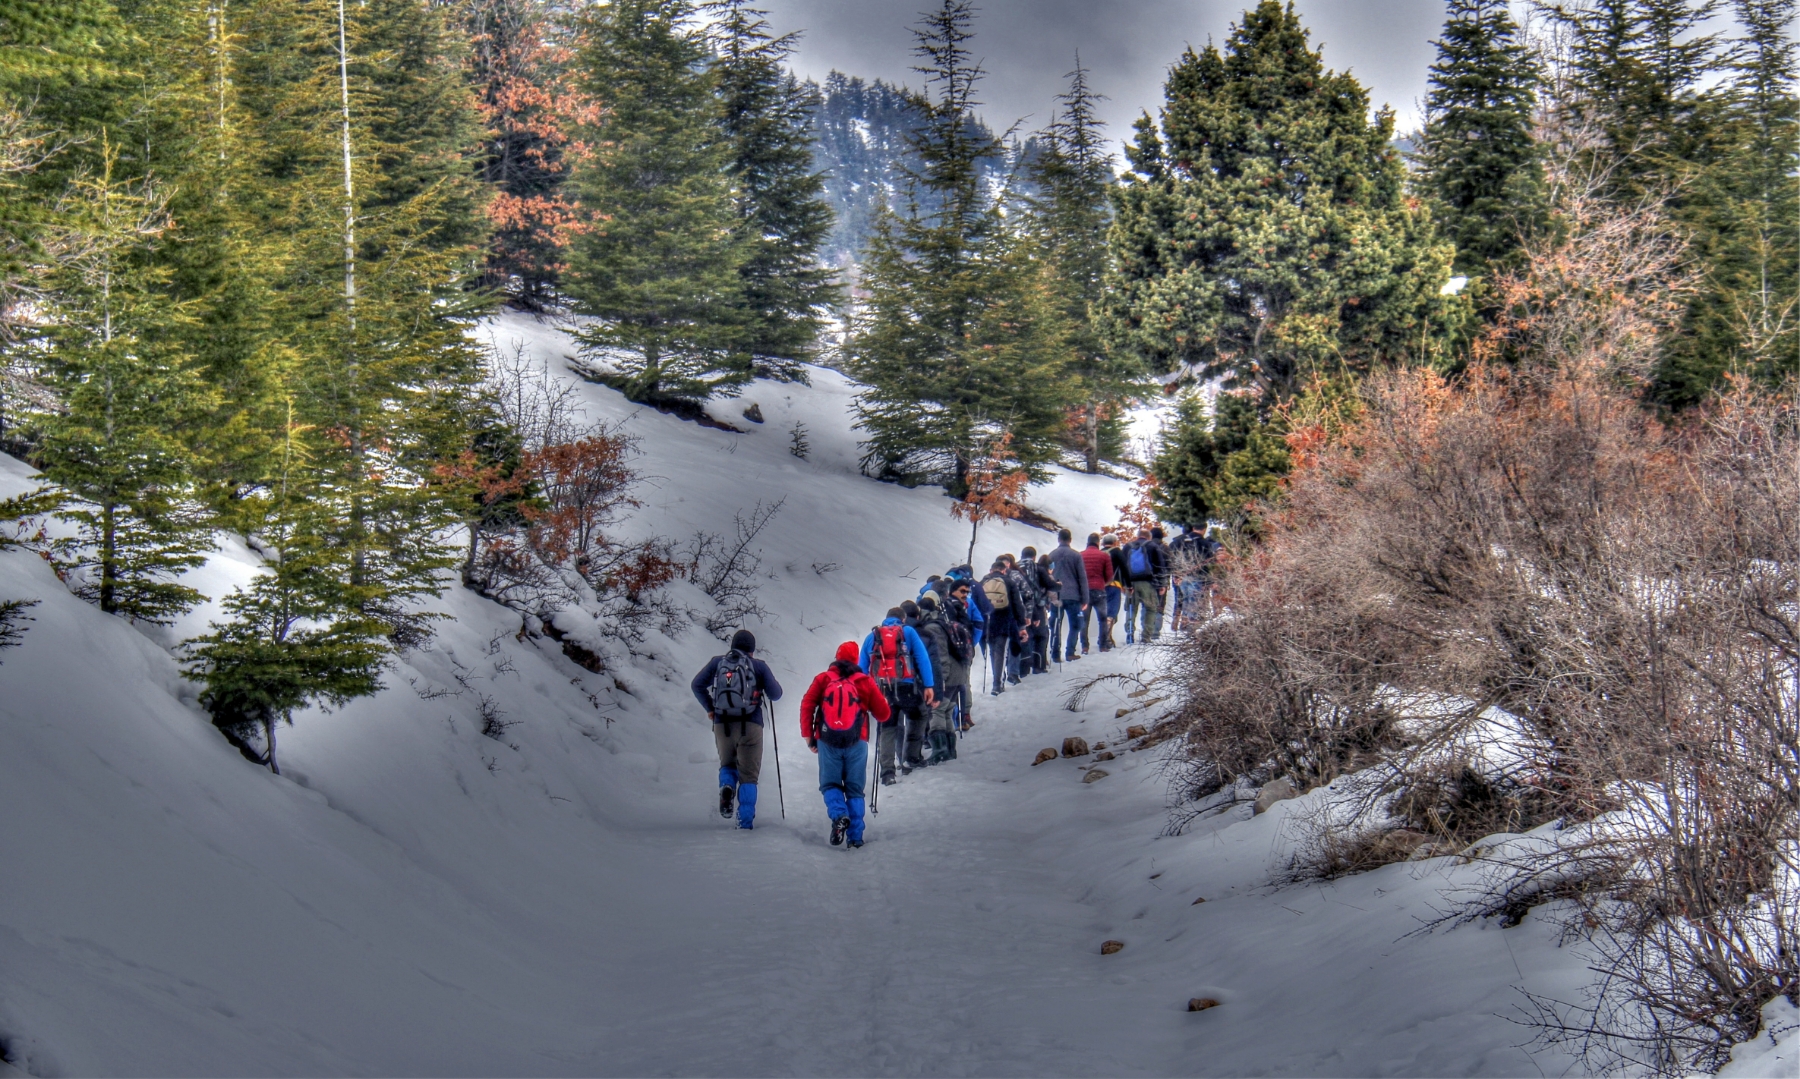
(896, 657)
(731, 688)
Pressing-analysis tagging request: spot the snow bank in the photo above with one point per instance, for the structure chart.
(1775, 1053)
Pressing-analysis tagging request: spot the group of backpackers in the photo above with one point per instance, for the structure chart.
(911, 674)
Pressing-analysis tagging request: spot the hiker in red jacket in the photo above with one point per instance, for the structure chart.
(834, 720)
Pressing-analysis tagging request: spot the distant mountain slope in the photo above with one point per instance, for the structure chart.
(860, 141)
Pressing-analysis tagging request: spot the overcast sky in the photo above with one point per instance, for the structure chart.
(1027, 46)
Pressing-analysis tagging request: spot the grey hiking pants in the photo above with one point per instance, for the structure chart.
(740, 750)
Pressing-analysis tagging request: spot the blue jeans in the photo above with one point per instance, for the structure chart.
(842, 773)
(1077, 618)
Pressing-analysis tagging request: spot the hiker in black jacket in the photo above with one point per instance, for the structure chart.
(1003, 628)
(731, 688)
(1147, 570)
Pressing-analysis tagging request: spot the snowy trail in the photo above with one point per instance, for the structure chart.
(412, 898)
(942, 947)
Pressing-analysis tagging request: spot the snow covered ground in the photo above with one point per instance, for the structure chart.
(413, 898)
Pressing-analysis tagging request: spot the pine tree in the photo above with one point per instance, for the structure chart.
(1759, 272)
(1704, 125)
(1737, 199)
(1637, 72)
(768, 117)
(1264, 233)
(1072, 212)
(184, 128)
(293, 637)
(1478, 164)
(660, 267)
(126, 389)
(1214, 463)
(362, 177)
(46, 47)
(959, 338)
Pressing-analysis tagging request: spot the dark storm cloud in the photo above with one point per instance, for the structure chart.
(1027, 46)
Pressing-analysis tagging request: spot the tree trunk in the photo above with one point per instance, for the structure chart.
(468, 569)
(974, 527)
(1092, 446)
(269, 738)
(109, 559)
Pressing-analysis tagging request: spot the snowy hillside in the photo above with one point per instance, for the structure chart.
(414, 898)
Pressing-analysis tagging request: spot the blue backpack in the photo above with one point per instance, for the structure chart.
(1138, 561)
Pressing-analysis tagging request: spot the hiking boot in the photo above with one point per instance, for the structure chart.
(838, 828)
(856, 843)
(727, 795)
(906, 769)
(888, 780)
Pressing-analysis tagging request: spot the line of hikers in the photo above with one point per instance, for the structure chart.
(912, 673)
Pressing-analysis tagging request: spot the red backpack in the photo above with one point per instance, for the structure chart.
(841, 711)
(893, 659)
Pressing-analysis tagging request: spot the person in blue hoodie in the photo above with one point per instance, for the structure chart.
(731, 688)
(896, 657)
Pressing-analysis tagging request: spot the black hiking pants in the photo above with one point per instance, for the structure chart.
(906, 725)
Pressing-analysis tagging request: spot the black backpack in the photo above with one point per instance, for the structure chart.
(734, 690)
(962, 642)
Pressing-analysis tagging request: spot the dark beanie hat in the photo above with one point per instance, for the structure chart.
(743, 641)
(928, 602)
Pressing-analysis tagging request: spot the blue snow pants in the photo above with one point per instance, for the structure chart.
(841, 776)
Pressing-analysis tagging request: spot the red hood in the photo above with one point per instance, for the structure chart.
(848, 652)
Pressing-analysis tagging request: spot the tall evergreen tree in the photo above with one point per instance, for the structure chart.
(1264, 233)
(1760, 269)
(1704, 124)
(1072, 212)
(1215, 461)
(956, 339)
(768, 117)
(126, 389)
(1733, 181)
(659, 268)
(363, 174)
(1637, 71)
(1478, 164)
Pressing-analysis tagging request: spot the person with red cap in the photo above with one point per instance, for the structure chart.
(834, 720)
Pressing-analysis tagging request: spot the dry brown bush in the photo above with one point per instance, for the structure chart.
(1529, 538)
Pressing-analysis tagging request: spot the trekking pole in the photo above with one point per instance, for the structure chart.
(872, 776)
(780, 798)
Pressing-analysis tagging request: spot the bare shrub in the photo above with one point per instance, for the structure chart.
(1531, 602)
(728, 569)
(542, 409)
